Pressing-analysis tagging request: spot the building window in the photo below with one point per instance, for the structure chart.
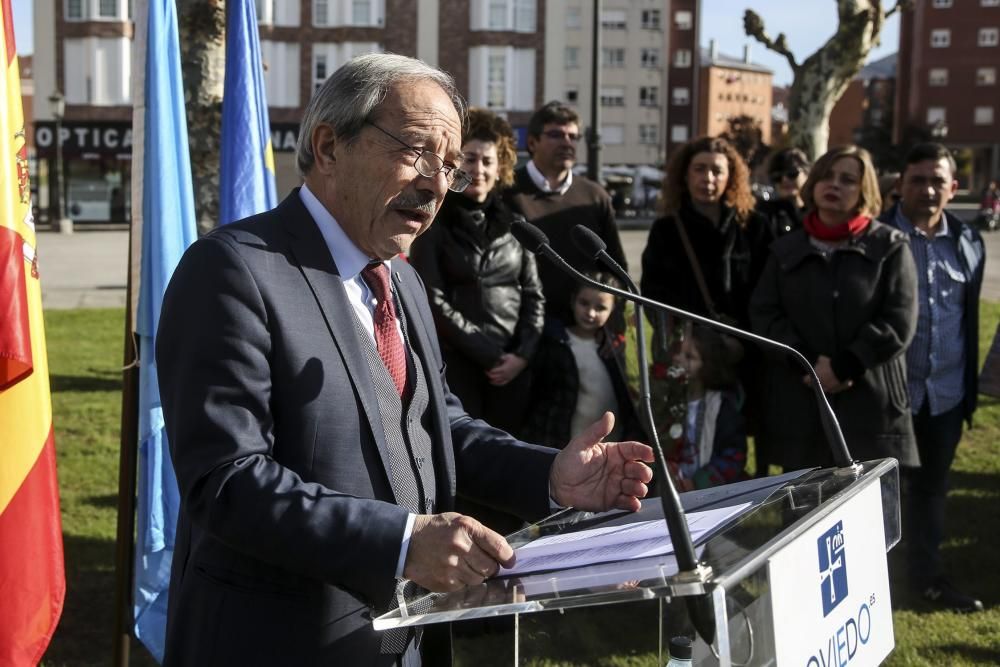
(97, 70)
(613, 57)
(650, 58)
(649, 96)
(614, 19)
(678, 133)
(574, 20)
(572, 57)
(319, 70)
(680, 96)
(683, 20)
(940, 38)
(937, 76)
(327, 14)
(651, 19)
(612, 135)
(612, 97)
(682, 58)
(272, 12)
(327, 57)
(989, 3)
(936, 115)
(321, 13)
(503, 15)
(941, 4)
(96, 10)
(502, 78)
(983, 116)
(572, 96)
(281, 72)
(989, 36)
(986, 76)
(649, 134)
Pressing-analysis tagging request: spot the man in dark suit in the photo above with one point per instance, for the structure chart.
(317, 448)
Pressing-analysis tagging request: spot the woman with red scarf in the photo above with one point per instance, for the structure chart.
(842, 291)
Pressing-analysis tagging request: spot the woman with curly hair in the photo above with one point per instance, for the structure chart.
(483, 286)
(842, 290)
(708, 250)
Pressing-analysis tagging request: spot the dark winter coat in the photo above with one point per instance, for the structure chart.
(858, 306)
(482, 285)
(782, 215)
(556, 383)
(731, 258)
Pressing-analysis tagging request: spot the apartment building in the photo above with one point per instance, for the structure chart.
(506, 55)
(866, 105)
(949, 55)
(732, 87)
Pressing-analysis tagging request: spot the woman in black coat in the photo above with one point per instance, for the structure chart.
(842, 291)
(707, 198)
(482, 285)
(787, 169)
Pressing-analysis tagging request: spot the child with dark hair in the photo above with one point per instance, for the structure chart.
(709, 447)
(579, 374)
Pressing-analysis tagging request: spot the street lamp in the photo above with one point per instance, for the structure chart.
(58, 103)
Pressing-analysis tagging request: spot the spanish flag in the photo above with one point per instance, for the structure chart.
(32, 579)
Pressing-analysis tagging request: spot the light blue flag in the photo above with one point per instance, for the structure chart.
(246, 170)
(168, 227)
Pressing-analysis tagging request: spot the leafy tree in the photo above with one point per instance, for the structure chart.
(821, 79)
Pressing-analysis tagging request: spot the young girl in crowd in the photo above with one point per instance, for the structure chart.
(579, 374)
(708, 445)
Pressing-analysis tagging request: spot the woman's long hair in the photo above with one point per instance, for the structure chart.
(737, 194)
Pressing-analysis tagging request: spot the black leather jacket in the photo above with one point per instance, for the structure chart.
(482, 285)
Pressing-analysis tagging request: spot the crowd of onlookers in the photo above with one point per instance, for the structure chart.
(870, 279)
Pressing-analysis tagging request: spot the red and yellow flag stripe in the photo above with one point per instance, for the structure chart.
(32, 579)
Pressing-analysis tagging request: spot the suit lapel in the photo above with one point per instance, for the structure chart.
(410, 292)
(309, 248)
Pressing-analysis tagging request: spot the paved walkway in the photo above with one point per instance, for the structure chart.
(88, 269)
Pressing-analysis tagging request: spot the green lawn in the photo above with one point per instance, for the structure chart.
(85, 352)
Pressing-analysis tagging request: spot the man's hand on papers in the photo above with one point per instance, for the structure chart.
(593, 475)
(449, 551)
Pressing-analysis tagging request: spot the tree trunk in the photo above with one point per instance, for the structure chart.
(822, 78)
(202, 25)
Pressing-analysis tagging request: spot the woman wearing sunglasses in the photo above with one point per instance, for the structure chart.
(787, 170)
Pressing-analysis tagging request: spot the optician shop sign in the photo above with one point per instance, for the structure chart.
(830, 590)
(85, 138)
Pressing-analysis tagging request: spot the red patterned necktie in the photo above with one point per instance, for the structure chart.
(387, 338)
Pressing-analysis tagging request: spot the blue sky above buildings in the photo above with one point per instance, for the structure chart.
(722, 20)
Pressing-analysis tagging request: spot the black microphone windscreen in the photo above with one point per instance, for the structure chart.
(587, 242)
(531, 237)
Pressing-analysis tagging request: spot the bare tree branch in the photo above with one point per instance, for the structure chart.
(900, 6)
(753, 26)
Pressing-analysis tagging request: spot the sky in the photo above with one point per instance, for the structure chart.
(722, 20)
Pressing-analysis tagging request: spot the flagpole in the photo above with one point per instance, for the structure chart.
(129, 436)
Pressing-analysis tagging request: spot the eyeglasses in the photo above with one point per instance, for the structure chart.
(559, 135)
(790, 174)
(430, 164)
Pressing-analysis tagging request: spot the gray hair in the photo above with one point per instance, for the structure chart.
(352, 95)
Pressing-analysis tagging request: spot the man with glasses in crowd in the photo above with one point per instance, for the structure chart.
(317, 447)
(553, 198)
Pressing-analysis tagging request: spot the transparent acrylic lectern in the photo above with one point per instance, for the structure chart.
(544, 605)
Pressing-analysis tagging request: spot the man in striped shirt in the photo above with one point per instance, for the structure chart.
(942, 375)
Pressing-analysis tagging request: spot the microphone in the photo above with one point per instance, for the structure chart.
(699, 607)
(537, 242)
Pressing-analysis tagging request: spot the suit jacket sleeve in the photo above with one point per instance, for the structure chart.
(215, 355)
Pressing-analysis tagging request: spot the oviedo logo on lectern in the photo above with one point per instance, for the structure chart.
(832, 567)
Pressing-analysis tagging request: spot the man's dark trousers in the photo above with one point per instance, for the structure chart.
(925, 489)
